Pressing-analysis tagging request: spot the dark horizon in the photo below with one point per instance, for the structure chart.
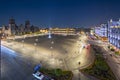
(59, 13)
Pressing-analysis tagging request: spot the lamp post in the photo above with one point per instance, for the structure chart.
(36, 39)
(51, 51)
(23, 40)
(52, 42)
(35, 44)
(23, 43)
(14, 40)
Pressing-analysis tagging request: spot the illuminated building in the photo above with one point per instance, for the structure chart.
(0, 30)
(12, 29)
(12, 26)
(21, 29)
(27, 26)
(114, 33)
(66, 31)
(101, 32)
(43, 30)
(92, 31)
(6, 30)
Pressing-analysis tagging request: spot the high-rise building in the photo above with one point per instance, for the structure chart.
(12, 26)
(21, 29)
(27, 26)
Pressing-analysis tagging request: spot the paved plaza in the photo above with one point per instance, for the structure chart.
(58, 52)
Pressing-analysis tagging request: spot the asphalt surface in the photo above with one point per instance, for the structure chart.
(14, 67)
(113, 61)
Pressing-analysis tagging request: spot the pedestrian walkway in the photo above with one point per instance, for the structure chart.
(81, 76)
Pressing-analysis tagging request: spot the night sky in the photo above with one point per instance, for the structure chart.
(59, 13)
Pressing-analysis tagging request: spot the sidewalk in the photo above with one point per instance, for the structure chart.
(83, 76)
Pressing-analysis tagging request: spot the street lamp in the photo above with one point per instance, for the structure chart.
(52, 42)
(23, 40)
(36, 40)
(51, 51)
(35, 44)
(14, 40)
(23, 43)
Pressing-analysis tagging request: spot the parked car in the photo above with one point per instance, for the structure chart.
(38, 75)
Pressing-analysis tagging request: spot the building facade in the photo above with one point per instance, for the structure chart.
(66, 31)
(101, 31)
(6, 30)
(12, 27)
(27, 26)
(114, 33)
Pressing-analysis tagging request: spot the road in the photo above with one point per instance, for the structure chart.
(65, 54)
(113, 61)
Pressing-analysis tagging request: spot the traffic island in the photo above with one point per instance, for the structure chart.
(100, 69)
(57, 74)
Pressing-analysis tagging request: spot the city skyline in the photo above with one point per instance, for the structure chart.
(60, 39)
(78, 13)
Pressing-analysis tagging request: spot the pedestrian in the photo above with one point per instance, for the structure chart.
(79, 62)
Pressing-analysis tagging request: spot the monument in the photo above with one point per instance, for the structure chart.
(49, 34)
